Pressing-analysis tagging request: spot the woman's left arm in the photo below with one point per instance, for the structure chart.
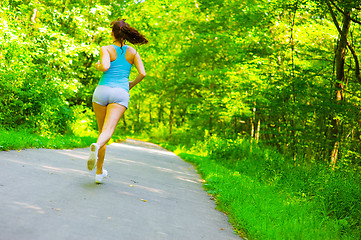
(104, 65)
(141, 71)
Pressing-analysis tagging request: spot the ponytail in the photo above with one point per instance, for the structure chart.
(124, 32)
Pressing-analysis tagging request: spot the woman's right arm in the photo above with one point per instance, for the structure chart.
(141, 71)
(104, 65)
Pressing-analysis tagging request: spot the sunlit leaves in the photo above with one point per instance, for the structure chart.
(214, 66)
(46, 61)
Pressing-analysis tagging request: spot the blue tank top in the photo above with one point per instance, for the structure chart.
(117, 75)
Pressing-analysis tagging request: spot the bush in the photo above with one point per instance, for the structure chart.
(336, 193)
(83, 122)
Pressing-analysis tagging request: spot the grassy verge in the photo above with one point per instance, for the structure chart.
(21, 139)
(260, 211)
(10, 140)
(268, 196)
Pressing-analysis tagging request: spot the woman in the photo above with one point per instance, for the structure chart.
(111, 97)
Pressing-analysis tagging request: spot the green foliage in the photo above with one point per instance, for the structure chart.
(231, 68)
(335, 196)
(268, 196)
(256, 72)
(83, 122)
(257, 210)
(20, 139)
(45, 62)
(271, 196)
(261, 70)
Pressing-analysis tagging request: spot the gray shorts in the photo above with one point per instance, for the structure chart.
(105, 95)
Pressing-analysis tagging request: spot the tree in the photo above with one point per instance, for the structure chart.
(345, 10)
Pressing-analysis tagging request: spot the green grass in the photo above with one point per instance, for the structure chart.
(334, 195)
(260, 211)
(268, 196)
(14, 140)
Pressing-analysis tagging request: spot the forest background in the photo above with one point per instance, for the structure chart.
(265, 88)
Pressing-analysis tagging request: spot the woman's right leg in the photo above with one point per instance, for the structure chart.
(100, 112)
(114, 112)
(107, 118)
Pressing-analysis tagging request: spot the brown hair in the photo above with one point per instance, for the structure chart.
(124, 32)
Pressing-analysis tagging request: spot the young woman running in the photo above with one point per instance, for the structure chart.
(111, 97)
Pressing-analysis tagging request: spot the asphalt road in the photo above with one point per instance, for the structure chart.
(150, 194)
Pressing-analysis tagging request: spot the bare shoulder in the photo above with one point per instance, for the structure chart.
(131, 50)
(108, 47)
(110, 50)
(104, 48)
(130, 54)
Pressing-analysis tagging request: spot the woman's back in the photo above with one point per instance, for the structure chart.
(121, 59)
(129, 53)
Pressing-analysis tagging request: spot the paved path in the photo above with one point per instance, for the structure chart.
(151, 194)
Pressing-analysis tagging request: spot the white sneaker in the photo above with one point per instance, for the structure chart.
(93, 156)
(99, 177)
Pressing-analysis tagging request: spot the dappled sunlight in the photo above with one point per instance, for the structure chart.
(127, 161)
(29, 206)
(48, 165)
(149, 189)
(188, 180)
(149, 150)
(75, 154)
(168, 170)
(127, 193)
(19, 162)
(65, 170)
(138, 185)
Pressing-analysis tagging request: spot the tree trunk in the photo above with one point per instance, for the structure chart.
(125, 123)
(339, 86)
(258, 130)
(171, 119)
(138, 112)
(183, 114)
(253, 123)
(210, 122)
(35, 14)
(252, 129)
(150, 114)
(160, 113)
